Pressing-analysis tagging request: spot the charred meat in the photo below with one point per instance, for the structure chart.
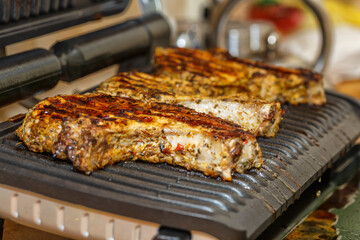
(228, 75)
(95, 130)
(259, 117)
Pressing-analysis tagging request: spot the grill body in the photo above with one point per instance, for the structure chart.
(310, 140)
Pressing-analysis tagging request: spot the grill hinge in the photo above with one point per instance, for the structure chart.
(166, 233)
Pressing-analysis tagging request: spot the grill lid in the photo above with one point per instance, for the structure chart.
(310, 139)
(24, 19)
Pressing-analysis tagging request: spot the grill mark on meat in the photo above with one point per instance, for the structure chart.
(130, 81)
(105, 106)
(192, 55)
(168, 61)
(93, 136)
(202, 68)
(279, 71)
(236, 108)
(191, 61)
(218, 68)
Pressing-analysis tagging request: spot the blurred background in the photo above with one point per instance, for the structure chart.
(279, 31)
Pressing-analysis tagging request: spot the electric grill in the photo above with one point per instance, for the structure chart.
(137, 200)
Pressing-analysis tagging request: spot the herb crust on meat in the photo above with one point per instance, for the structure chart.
(95, 130)
(228, 75)
(259, 117)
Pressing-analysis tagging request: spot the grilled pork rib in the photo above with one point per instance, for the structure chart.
(259, 117)
(228, 75)
(95, 130)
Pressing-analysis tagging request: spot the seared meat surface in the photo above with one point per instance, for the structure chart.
(147, 87)
(95, 130)
(259, 117)
(228, 75)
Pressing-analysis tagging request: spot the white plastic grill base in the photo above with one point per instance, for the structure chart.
(72, 220)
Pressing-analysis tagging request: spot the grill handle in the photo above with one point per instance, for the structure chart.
(88, 53)
(24, 74)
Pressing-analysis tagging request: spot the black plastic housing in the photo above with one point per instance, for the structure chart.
(24, 74)
(91, 52)
(24, 19)
(129, 44)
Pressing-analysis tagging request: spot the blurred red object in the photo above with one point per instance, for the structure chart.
(285, 18)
